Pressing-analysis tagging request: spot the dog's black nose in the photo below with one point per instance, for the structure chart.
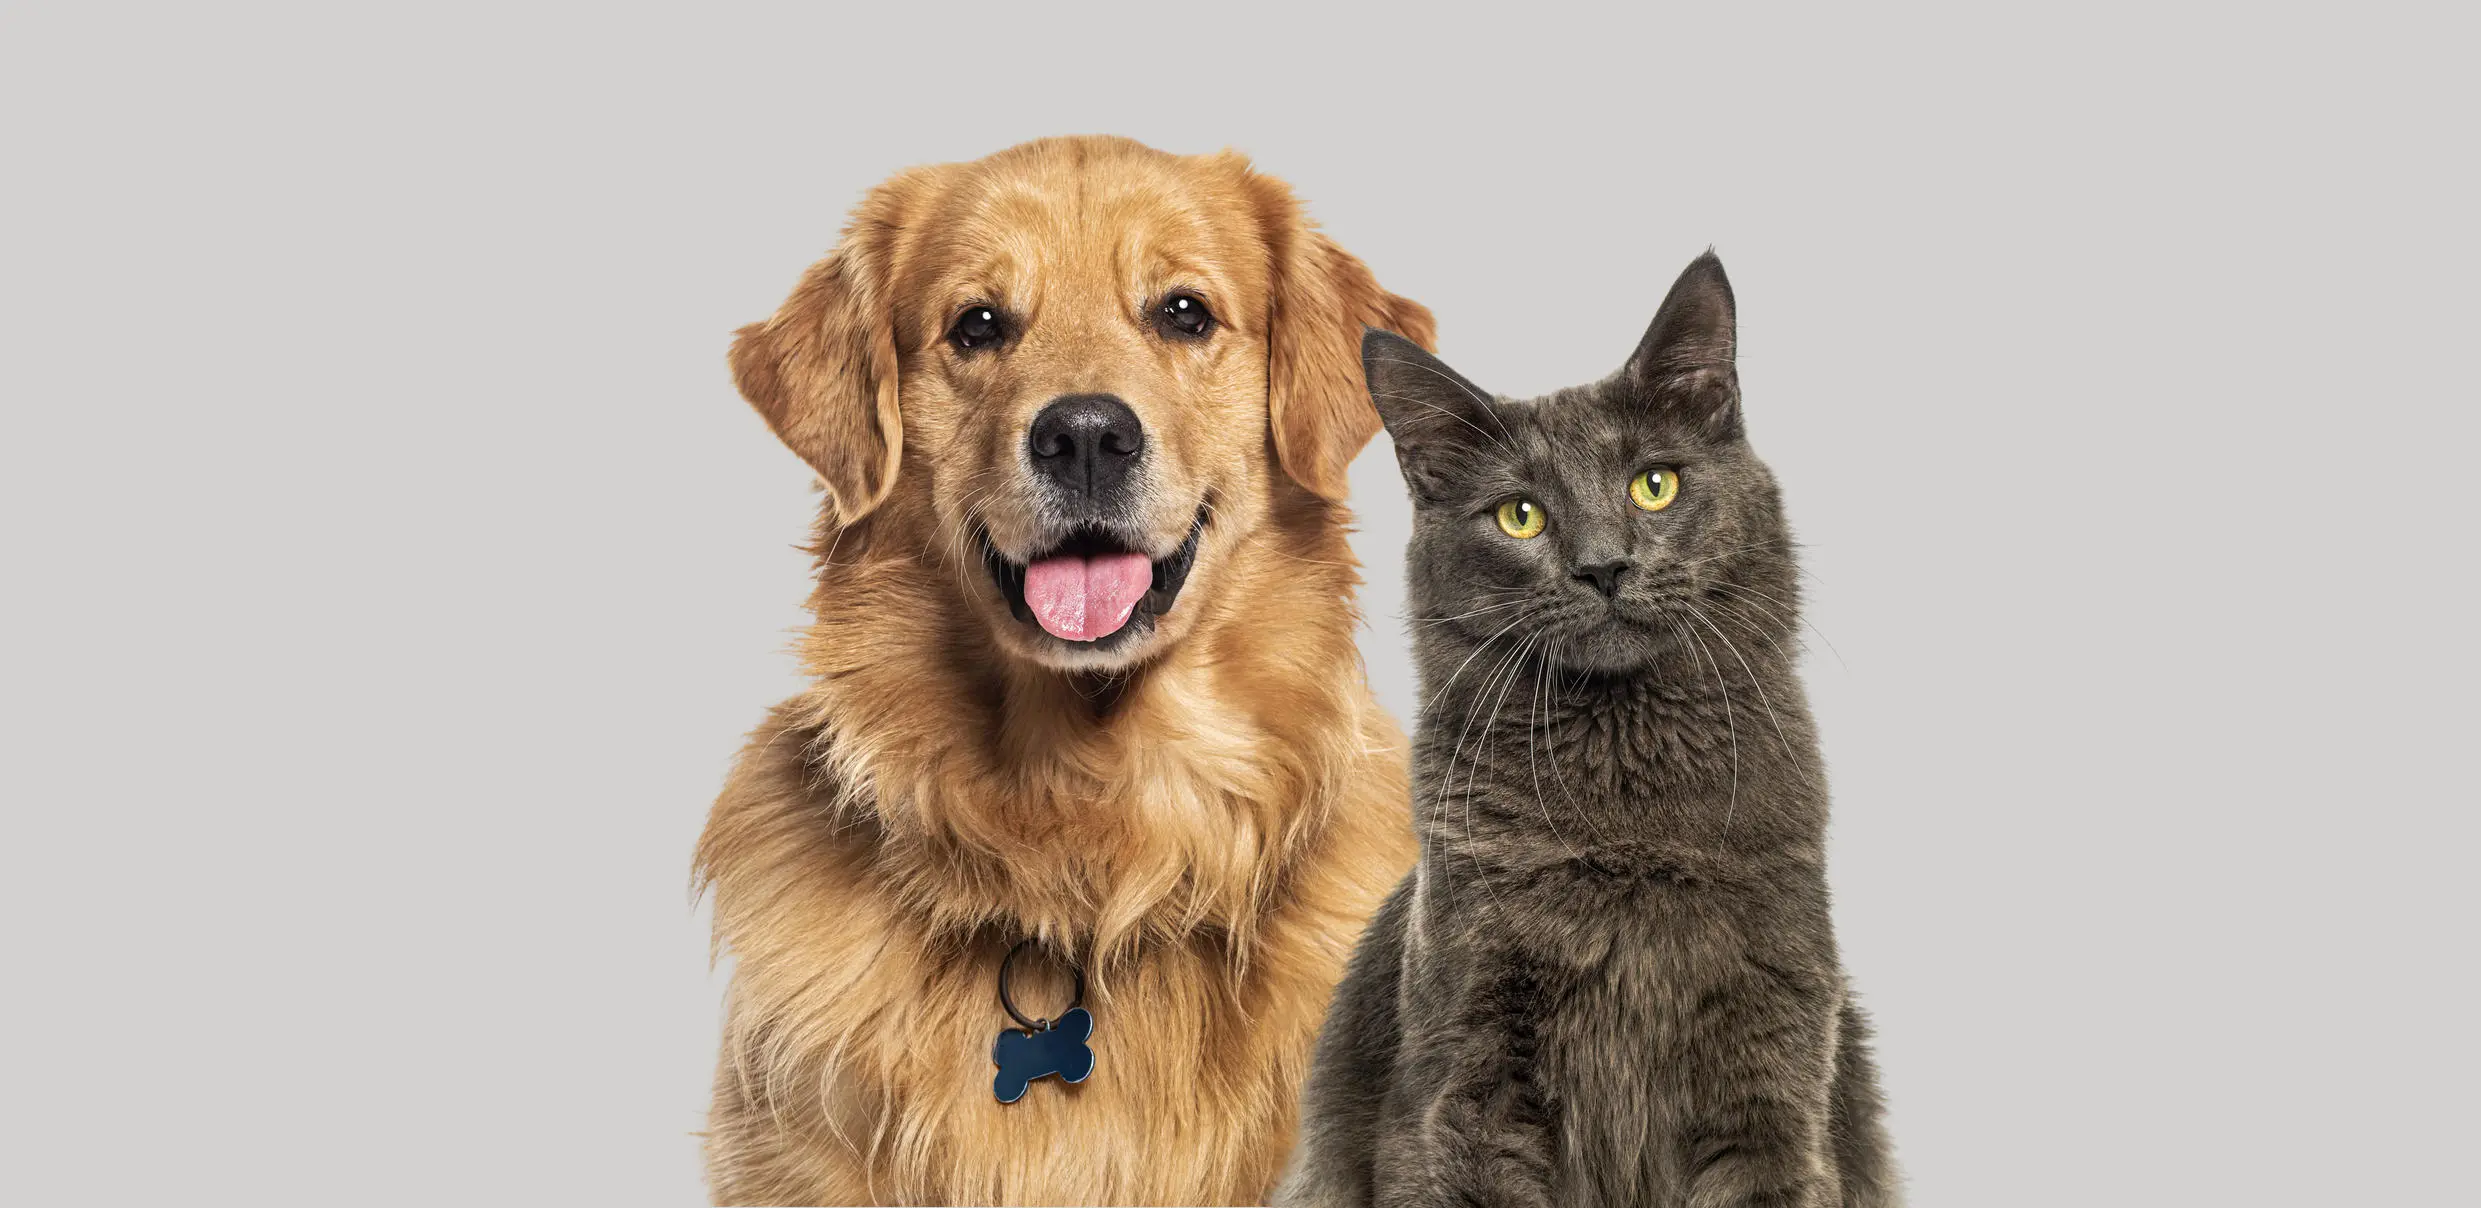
(1086, 443)
(1605, 576)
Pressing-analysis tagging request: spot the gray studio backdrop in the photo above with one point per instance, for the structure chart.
(392, 569)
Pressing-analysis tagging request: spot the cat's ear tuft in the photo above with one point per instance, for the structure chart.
(1686, 360)
(1434, 416)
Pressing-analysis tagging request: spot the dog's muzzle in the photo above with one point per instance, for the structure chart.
(1094, 585)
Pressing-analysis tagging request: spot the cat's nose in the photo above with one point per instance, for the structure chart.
(1605, 576)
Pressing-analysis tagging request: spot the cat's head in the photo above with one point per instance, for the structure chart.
(1611, 524)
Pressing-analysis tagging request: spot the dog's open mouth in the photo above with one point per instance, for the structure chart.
(1093, 586)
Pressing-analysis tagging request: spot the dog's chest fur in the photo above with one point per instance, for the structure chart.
(864, 1006)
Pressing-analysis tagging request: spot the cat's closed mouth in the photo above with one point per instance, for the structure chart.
(1093, 585)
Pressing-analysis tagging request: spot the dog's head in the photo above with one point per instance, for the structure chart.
(1086, 369)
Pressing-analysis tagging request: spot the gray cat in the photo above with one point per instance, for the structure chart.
(1612, 978)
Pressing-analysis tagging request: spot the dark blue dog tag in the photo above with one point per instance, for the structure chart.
(1058, 1047)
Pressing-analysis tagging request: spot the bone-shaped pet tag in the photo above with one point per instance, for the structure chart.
(1057, 1047)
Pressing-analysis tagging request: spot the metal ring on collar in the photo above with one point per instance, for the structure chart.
(1075, 1000)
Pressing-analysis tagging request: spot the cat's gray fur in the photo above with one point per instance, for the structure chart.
(1612, 979)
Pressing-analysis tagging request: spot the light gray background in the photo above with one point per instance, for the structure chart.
(392, 569)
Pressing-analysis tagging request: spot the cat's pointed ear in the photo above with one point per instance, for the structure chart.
(1685, 362)
(1432, 413)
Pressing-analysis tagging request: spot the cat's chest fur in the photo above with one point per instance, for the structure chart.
(1612, 1033)
(1598, 901)
(1597, 1012)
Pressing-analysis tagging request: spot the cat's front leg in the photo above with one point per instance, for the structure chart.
(1757, 1098)
(1770, 1163)
(1477, 1128)
(1353, 1071)
(1481, 1143)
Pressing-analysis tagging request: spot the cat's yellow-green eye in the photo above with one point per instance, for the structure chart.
(1521, 518)
(1654, 489)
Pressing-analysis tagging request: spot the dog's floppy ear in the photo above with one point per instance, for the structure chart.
(1323, 298)
(823, 374)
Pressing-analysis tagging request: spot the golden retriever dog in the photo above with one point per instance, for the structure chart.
(1084, 680)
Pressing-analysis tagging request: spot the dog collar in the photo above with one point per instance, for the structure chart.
(1045, 1047)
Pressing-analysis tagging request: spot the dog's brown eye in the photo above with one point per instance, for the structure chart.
(979, 325)
(1185, 315)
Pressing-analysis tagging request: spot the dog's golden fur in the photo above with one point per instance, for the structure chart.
(1203, 821)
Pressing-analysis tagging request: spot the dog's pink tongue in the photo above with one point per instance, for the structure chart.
(1086, 599)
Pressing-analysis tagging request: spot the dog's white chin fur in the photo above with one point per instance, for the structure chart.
(1057, 655)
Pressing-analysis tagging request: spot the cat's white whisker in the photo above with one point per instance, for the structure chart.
(1538, 707)
(1731, 728)
(1439, 808)
(1516, 666)
(1757, 682)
